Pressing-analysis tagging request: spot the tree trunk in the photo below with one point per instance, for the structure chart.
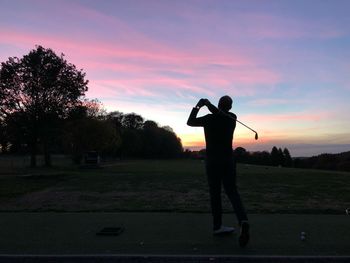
(33, 154)
(47, 154)
(33, 147)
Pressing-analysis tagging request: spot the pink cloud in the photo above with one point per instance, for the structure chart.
(269, 102)
(107, 89)
(265, 118)
(147, 87)
(141, 60)
(98, 49)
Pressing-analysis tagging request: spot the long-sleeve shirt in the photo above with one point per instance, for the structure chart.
(218, 129)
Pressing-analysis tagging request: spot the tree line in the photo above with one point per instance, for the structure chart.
(43, 110)
(277, 156)
(117, 134)
(336, 162)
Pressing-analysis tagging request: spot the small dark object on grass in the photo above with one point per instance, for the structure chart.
(110, 231)
(92, 157)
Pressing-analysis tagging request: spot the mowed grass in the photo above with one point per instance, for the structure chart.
(169, 185)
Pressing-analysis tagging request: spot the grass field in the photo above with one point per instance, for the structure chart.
(166, 185)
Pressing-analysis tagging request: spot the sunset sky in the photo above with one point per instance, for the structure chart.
(285, 63)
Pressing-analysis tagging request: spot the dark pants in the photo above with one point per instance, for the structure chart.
(223, 172)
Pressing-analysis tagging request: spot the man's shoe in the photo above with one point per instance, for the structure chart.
(244, 236)
(224, 230)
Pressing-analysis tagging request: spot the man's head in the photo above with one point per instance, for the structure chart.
(225, 103)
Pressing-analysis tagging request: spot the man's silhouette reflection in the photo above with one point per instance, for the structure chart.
(219, 127)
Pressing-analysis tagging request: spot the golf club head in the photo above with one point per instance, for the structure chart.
(256, 136)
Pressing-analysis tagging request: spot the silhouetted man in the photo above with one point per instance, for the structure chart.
(219, 127)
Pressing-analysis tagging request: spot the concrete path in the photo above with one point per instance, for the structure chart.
(168, 234)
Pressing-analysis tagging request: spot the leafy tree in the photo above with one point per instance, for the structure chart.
(131, 127)
(4, 140)
(16, 131)
(160, 142)
(241, 154)
(280, 157)
(132, 121)
(44, 87)
(93, 108)
(89, 134)
(89, 128)
(275, 156)
(132, 143)
(260, 158)
(151, 139)
(150, 126)
(288, 162)
(171, 145)
(115, 117)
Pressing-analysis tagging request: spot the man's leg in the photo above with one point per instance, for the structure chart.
(214, 183)
(229, 183)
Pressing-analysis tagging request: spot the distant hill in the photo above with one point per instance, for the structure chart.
(326, 161)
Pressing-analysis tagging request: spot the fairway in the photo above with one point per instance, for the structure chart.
(169, 186)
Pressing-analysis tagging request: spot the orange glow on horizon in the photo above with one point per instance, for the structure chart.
(195, 141)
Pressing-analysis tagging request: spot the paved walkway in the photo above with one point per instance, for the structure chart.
(171, 259)
(170, 234)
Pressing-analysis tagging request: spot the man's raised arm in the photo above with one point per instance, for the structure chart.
(211, 107)
(192, 119)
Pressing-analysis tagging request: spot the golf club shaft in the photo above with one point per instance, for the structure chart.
(212, 109)
(246, 126)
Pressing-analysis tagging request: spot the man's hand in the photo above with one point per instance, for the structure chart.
(202, 102)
